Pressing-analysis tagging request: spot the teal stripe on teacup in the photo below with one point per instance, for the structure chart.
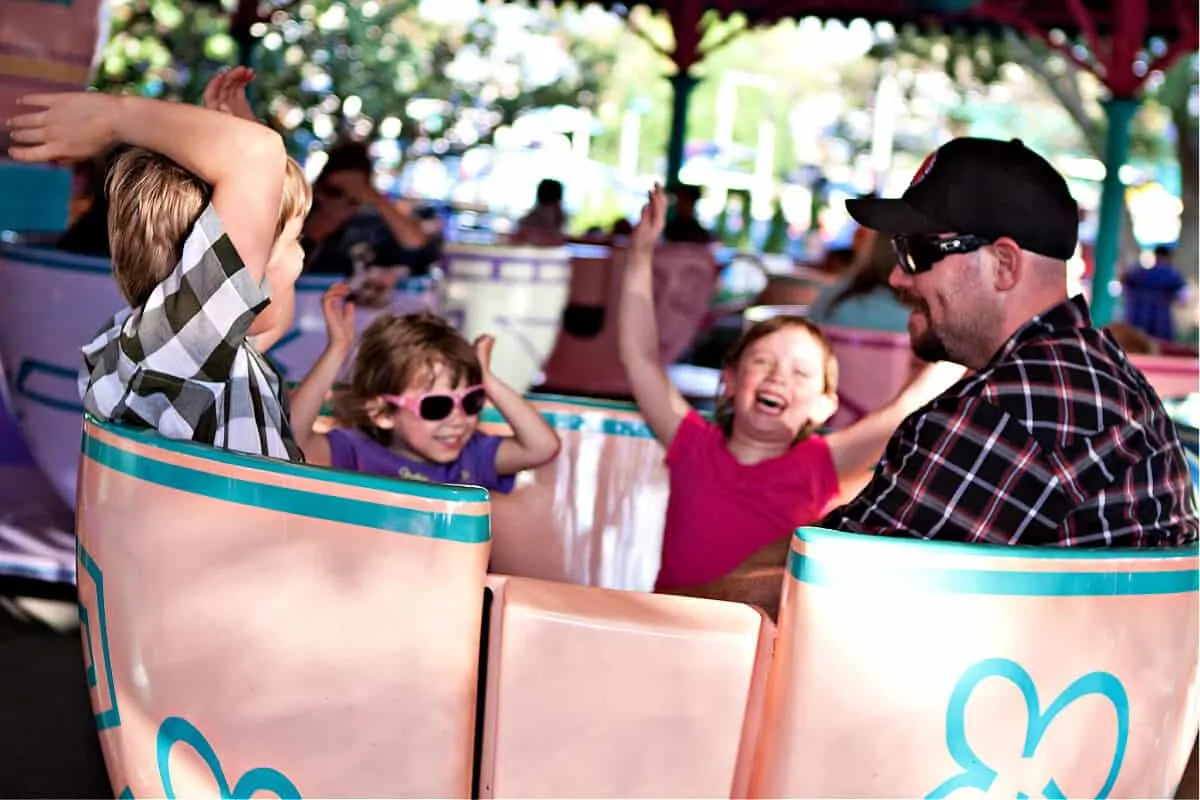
(444, 524)
(852, 568)
(586, 423)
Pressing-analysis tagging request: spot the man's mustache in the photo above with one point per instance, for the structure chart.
(909, 299)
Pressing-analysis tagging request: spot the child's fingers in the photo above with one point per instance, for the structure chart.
(29, 136)
(35, 119)
(32, 154)
(41, 100)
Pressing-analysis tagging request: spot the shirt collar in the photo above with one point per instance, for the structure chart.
(1070, 314)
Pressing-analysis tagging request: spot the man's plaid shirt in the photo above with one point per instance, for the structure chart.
(1059, 440)
(181, 364)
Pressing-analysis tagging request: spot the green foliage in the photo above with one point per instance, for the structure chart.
(600, 209)
(318, 54)
(167, 49)
(777, 234)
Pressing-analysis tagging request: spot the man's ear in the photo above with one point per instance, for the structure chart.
(823, 408)
(1008, 264)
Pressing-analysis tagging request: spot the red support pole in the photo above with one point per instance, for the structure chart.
(1130, 19)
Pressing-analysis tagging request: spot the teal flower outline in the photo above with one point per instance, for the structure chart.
(977, 775)
(175, 730)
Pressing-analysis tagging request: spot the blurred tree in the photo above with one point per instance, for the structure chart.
(167, 49)
(973, 60)
(1178, 94)
(329, 68)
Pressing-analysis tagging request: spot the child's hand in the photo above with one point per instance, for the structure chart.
(483, 351)
(654, 219)
(226, 93)
(339, 317)
(63, 127)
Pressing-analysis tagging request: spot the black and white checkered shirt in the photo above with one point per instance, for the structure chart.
(1059, 440)
(181, 364)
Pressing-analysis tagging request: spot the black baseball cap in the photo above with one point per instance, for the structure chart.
(984, 187)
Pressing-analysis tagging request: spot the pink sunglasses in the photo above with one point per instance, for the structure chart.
(434, 406)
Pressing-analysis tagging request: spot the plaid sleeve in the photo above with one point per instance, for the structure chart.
(195, 320)
(960, 470)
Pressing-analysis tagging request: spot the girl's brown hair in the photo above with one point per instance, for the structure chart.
(724, 408)
(393, 352)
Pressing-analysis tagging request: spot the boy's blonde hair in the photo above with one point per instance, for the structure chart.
(297, 196)
(153, 203)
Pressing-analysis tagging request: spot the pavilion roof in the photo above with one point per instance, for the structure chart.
(1163, 16)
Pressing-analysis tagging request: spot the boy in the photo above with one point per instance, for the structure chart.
(204, 224)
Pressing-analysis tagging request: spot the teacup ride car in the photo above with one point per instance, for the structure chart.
(54, 302)
(37, 543)
(515, 293)
(585, 360)
(257, 626)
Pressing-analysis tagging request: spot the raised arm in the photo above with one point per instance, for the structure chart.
(404, 227)
(860, 446)
(308, 398)
(243, 161)
(661, 404)
(533, 442)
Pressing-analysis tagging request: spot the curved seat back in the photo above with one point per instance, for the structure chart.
(257, 625)
(600, 693)
(517, 294)
(585, 360)
(300, 347)
(1171, 376)
(907, 668)
(36, 527)
(797, 288)
(872, 367)
(52, 303)
(593, 516)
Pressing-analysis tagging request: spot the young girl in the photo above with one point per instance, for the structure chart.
(412, 408)
(759, 472)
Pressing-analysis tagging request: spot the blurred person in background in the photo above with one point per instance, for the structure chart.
(863, 298)
(356, 232)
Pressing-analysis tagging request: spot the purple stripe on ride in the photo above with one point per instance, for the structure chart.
(13, 450)
(547, 271)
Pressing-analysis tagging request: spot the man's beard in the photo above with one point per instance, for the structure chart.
(926, 345)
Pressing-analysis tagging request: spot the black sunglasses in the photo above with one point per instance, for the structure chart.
(918, 253)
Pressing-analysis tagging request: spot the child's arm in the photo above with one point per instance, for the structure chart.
(661, 404)
(533, 442)
(861, 445)
(243, 161)
(309, 396)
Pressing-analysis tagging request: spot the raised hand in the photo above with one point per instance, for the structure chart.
(338, 310)
(354, 184)
(652, 222)
(63, 127)
(226, 93)
(483, 351)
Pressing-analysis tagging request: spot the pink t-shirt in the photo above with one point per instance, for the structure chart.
(720, 512)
